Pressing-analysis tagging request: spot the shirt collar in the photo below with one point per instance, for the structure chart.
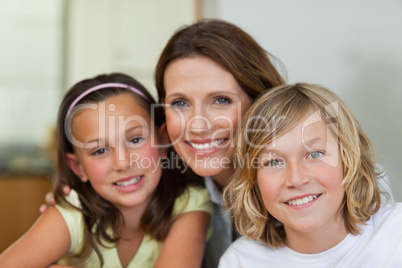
(214, 192)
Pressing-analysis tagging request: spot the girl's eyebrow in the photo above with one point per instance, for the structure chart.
(92, 143)
(95, 141)
(130, 129)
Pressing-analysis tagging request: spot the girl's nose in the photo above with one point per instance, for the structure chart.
(121, 159)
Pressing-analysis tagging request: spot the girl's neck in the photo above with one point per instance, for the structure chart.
(132, 220)
(317, 241)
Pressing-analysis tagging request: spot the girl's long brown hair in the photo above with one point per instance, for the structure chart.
(99, 214)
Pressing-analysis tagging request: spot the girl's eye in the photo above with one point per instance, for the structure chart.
(315, 155)
(223, 100)
(99, 151)
(136, 140)
(178, 103)
(274, 163)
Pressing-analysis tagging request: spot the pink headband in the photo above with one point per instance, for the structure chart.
(106, 85)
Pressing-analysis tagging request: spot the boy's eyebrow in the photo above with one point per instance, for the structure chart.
(313, 141)
(268, 149)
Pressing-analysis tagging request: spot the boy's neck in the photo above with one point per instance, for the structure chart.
(317, 241)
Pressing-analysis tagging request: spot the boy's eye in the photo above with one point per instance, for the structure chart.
(179, 103)
(274, 163)
(223, 100)
(99, 151)
(315, 155)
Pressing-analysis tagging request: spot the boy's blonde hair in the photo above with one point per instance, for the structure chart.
(274, 114)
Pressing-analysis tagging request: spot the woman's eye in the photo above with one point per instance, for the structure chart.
(179, 103)
(315, 155)
(99, 151)
(223, 100)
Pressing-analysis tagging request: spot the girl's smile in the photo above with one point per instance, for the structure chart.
(108, 164)
(129, 184)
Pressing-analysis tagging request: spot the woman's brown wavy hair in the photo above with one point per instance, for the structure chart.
(228, 46)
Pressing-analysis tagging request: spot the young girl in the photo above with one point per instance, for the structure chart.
(306, 192)
(130, 212)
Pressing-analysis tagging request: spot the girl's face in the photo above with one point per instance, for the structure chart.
(300, 180)
(114, 151)
(204, 107)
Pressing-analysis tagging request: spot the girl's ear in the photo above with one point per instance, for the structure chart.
(76, 167)
(163, 140)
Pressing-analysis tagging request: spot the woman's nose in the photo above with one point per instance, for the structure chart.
(198, 120)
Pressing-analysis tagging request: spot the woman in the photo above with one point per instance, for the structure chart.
(207, 76)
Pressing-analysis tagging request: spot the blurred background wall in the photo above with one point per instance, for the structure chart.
(352, 47)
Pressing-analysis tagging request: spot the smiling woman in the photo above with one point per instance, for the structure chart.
(204, 104)
(207, 76)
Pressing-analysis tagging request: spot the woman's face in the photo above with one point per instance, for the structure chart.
(204, 105)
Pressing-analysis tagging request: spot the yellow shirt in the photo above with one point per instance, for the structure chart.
(195, 199)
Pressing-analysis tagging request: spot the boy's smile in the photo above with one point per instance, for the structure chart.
(300, 180)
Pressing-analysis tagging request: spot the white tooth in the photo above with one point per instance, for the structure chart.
(206, 146)
(303, 200)
(129, 182)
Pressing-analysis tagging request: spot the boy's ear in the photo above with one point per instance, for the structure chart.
(163, 140)
(76, 167)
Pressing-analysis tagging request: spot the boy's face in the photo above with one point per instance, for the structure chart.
(300, 181)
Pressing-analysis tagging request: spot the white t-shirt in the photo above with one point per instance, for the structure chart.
(378, 245)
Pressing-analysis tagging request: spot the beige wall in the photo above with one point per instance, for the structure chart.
(122, 35)
(352, 47)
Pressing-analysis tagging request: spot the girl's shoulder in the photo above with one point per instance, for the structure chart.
(194, 198)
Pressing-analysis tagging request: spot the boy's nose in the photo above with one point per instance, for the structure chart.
(296, 176)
